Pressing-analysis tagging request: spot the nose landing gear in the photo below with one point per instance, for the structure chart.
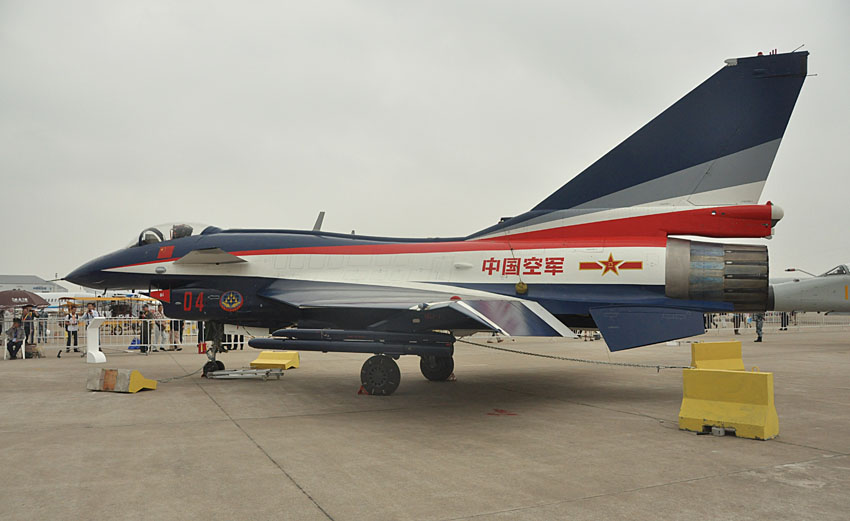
(212, 366)
(214, 331)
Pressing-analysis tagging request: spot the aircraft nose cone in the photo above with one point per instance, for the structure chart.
(86, 275)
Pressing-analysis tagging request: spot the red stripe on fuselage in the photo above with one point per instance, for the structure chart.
(158, 261)
(631, 265)
(589, 266)
(747, 221)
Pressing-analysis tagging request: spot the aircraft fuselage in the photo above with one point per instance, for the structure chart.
(580, 265)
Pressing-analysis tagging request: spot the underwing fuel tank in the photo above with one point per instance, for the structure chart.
(715, 272)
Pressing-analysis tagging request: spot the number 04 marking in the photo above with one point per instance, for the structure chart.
(187, 301)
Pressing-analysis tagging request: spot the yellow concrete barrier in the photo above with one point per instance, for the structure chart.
(277, 360)
(717, 355)
(737, 400)
(118, 380)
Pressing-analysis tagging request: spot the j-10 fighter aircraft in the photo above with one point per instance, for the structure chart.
(600, 252)
(829, 291)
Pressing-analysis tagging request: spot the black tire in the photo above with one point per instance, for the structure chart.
(380, 375)
(436, 368)
(220, 365)
(211, 366)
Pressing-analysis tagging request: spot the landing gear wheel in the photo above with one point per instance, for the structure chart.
(211, 366)
(436, 368)
(220, 365)
(380, 375)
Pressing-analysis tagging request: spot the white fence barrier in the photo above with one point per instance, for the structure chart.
(775, 320)
(116, 334)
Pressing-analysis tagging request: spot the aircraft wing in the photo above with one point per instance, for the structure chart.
(406, 309)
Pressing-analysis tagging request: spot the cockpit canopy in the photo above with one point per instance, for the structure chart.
(169, 231)
(841, 269)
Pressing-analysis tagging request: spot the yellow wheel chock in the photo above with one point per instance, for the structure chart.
(718, 392)
(118, 380)
(717, 355)
(277, 360)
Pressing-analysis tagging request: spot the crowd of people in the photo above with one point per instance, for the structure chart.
(23, 335)
(27, 332)
(739, 320)
(154, 326)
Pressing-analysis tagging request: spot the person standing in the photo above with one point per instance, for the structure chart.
(201, 338)
(159, 329)
(90, 314)
(41, 318)
(176, 335)
(72, 326)
(15, 338)
(783, 324)
(145, 337)
(736, 321)
(29, 324)
(759, 318)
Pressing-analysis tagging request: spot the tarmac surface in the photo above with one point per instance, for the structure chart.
(515, 437)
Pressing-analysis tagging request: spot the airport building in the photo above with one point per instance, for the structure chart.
(29, 283)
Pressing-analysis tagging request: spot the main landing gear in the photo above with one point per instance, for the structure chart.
(436, 368)
(380, 374)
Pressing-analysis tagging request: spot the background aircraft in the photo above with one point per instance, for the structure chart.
(829, 291)
(599, 252)
(58, 299)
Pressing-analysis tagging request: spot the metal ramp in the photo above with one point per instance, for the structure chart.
(234, 374)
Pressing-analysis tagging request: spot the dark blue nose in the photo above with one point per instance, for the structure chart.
(105, 273)
(89, 274)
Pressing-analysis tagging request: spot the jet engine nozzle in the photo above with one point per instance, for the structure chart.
(714, 272)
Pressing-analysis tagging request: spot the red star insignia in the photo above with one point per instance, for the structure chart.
(610, 264)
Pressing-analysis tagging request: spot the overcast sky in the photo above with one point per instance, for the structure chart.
(396, 118)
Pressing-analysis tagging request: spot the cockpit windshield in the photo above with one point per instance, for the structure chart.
(169, 231)
(838, 270)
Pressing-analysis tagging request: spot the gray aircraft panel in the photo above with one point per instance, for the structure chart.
(745, 167)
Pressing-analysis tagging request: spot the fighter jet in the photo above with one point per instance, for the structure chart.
(829, 291)
(600, 252)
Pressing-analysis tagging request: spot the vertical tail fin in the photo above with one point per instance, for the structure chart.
(715, 146)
